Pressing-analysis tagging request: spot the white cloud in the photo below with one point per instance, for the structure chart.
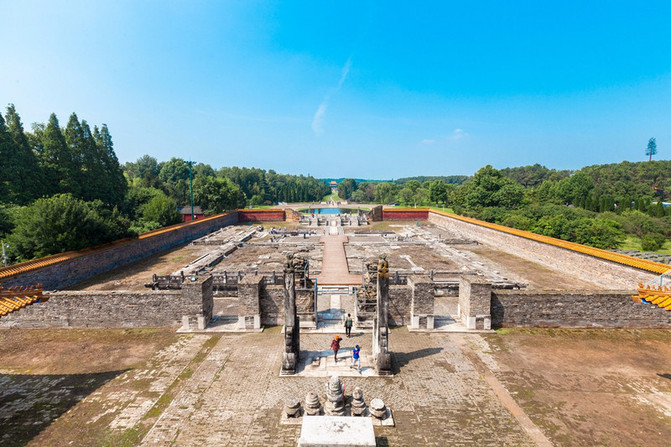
(318, 118)
(428, 141)
(457, 134)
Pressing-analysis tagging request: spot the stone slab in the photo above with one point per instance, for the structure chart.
(332, 431)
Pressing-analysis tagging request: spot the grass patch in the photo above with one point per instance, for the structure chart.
(634, 243)
(128, 438)
(335, 197)
(445, 209)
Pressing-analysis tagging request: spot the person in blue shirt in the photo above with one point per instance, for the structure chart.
(356, 358)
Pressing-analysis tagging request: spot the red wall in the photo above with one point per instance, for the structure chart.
(187, 217)
(405, 214)
(260, 215)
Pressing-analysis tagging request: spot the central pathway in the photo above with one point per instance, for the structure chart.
(335, 271)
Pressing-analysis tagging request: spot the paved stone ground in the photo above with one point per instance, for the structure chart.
(235, 397)
(334, 263)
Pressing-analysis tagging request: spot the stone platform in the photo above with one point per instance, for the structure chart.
(333, 431)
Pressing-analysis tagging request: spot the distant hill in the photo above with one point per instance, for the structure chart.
(454, 179)
(358, 180)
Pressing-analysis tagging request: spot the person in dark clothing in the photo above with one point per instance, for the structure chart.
(348, 326)
(335, 345)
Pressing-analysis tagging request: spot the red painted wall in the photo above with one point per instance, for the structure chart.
(405, 214)
(260, 215)
(187, 217)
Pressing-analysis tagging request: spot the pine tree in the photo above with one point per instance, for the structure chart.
(26, 182)
(6, 154)
(56, 160)
(74, 137)
(94, 176)
(651, 149)
(117, 181)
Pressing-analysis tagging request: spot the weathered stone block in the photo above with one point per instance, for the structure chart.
(249, 289)
(475, 299)
(422, 295)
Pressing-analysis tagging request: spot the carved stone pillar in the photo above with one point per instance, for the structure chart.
(291, 322)
(381, 323)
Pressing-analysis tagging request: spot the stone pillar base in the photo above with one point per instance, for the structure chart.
(249, 321)
(422, 322)
(483, 322)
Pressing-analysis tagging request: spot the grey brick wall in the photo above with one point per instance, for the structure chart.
(514, 308)
(105, 310)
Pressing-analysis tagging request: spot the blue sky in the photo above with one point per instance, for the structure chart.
(349, 89)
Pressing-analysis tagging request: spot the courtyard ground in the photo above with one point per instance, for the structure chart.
(156, 388)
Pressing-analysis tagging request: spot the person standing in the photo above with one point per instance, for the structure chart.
(356, 358)
(348, 325)
(335, 345)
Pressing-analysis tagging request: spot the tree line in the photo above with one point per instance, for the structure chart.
(601, 205)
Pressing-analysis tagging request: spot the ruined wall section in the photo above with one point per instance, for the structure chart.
(108, 309)
(574, 309)
(400, 303)
(603, 273)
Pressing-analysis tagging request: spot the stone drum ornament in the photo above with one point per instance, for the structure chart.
(335, 400)
(378, 409)
(312, 405)
(358, 404)
(292, 407)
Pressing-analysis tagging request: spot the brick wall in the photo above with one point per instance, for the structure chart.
(260, 215)
(514, 308)
(104, 310)
(405, 214)
(400, 301)
(272, 305)
(606, 274)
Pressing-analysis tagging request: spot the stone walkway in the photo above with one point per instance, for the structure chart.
(335, 270)
(438, 395)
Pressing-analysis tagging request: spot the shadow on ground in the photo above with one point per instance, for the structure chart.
(400, 359)
(31, 402)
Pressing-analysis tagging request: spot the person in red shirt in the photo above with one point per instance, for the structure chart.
(335, 345)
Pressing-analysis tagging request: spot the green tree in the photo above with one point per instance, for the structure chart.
(438, 192)
(651, 149)
(115, 186)
(216, 195)
(143, 172)
(162, 210)
(26, 182)
(74, 138)
(62, 223)
(136, 198)
(385, 193)
(56, 161)
(346, 188)
(175, 177)
(6, 154)
(489, 187)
